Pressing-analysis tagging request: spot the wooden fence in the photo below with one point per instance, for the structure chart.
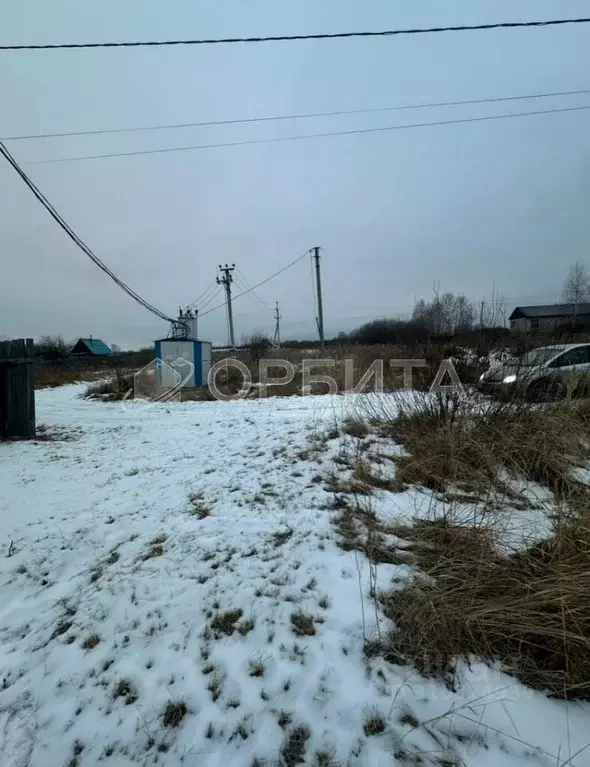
(17, 389)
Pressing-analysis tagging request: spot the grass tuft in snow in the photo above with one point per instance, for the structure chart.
(156, 548)
(174, 713)
(409, 719)
(302, 624)
(91, 642)
(199, 508)
(77, 749)
(355, 427)
(279, 538)
(374, 724)
(294, 745)
(215, 687)
(225, 623)
(284, 719)
(324, 758)
(257, 668)
(125, 689)
(245, 627)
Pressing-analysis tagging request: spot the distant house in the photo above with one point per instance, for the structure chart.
(550, 316)
(91, 347)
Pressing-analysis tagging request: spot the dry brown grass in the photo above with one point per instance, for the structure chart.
(294, 746)
(469, 597)
(174, 713)
(474, 447)
(302, 624)
(225, 623)
(111, 390)
(91, 642)
(530, 610)
(48, 377)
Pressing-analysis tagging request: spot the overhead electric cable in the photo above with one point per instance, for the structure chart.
(280, 139)
(300, 116)
(286, 38)
(262, 282)
(79, 242)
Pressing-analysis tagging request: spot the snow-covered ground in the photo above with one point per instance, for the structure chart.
(128, 538)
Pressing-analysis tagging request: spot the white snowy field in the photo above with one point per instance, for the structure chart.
(125, 542)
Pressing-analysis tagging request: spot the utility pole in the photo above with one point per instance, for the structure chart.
(277, 336)
(226, 281)
(318, 280)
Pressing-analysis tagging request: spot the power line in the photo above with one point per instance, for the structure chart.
(279, 139)
(254, 293)
(211, 298)
(255, 298)
(73, 236)
(304, 116)
(258, 284)
(285, 38)
(212, 286)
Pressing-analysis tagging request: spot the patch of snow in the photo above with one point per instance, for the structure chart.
(106, 541)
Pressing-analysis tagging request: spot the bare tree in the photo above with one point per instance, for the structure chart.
(576, 289)
(446, 314)
(493, 312)
(258, 343)
(52, 347)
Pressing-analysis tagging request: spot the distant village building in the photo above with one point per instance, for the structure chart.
(550, 316)
(91, 347)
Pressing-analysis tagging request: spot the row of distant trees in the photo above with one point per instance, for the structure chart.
(446, 314)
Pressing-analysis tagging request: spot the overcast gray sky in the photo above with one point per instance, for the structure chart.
(504, 202)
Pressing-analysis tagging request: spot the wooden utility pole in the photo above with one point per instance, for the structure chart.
(318, 280)
(17, 389)
(277, 336)
(226, 281)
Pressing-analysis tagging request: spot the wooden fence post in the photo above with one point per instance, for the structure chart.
(17, 389)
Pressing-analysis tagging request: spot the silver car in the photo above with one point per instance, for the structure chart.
(549, 372)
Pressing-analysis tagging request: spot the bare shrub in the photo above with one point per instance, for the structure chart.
(52, 347)
(258, 344)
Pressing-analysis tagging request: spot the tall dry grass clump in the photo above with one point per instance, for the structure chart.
(529, 609)
(110, 390)
(473, 445)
